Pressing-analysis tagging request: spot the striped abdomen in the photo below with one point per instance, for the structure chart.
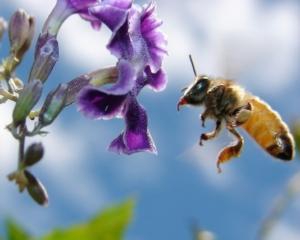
(269, 131)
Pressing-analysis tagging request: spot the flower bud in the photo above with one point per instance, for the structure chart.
(34, 154)
(36, 189)
(46, 55)
(3, 26)
(26, 101)
(21, 31)
(53, 105)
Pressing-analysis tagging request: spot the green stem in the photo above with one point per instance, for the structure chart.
(21, 146)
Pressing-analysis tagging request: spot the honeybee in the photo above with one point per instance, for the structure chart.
(229, 104)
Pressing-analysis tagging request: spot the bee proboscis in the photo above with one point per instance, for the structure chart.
(227, 102)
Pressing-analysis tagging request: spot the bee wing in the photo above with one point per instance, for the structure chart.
(269, 131)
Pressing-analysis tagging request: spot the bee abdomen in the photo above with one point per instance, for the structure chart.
(283, 149)
(269, 131)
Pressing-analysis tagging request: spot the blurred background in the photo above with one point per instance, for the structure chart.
(255, 42)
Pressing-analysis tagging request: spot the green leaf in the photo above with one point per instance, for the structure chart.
(15, 231)
(108, 225)
(296, 133)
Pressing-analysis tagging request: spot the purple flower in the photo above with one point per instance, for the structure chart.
(111, 12)
(79, 5)
(140, 47)
(65, 8)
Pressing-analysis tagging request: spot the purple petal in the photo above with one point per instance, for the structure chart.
(123, 4)
(157, 81)
(99, 105)
(136, 137)
(120, 44)
(79, 5)
(155, 40)
(139, 38)
(111, 16)
(110, 12)
(106, 103)
(95, 21)
(118, 145)
(126, 79)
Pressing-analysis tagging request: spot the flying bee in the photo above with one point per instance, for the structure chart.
(229, 104)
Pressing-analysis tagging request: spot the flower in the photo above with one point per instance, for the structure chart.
(47, 49)
(65, 8)
(90, 10)
(140, 47)
(111, 12)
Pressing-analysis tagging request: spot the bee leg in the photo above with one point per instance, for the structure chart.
(203, 117)
(241, 115)
(211, 135)
(231, 151)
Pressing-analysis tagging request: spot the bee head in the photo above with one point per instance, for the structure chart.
(196, 92)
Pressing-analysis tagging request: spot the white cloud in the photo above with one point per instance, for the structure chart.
(37, 8)
(241, 39)
(8, 145)
(204, 159)
(284, 230)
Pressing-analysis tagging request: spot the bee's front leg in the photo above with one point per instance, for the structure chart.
(211, 135)
(203, 117)
(231, 151)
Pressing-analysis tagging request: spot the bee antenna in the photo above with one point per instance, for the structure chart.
(193, 65)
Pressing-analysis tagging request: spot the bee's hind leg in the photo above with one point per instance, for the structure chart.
(241, 115)
(231, 151)
(211, 135)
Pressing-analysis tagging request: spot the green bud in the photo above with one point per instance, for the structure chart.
(26, 101)
(53, 105)
(3, 26)
(34, 154)
(21, 31)
(36, 189)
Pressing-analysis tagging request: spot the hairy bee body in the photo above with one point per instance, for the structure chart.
(222, 98)
(227, 102)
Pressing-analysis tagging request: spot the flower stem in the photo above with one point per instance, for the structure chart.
(56, 18)
(21, 145)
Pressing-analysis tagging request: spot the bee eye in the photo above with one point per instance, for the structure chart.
(199, 85)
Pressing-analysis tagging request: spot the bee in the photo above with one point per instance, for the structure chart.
(228, 104)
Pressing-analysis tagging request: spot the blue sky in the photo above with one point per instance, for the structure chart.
(255, 42)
